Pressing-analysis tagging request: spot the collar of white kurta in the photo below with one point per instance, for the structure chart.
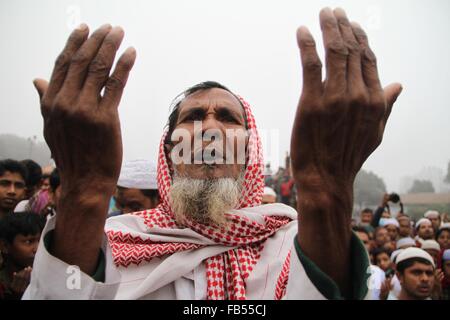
(248, 229)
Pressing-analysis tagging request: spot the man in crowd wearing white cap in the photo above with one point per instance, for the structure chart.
(424, 230)
(137, 189)
(404, 226)
(433, 248)
(391, 226)
(435, 219)
(415, 271)
(406, 242)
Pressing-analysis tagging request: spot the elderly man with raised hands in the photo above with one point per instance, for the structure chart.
(210, 237)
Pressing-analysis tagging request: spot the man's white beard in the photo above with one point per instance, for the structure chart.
(204, 200)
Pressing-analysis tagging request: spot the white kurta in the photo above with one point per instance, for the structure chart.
(181, 275)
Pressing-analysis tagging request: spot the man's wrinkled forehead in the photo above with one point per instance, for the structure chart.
(214, 97)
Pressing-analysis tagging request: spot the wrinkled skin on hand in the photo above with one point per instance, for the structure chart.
(340, 121)
(81, 126)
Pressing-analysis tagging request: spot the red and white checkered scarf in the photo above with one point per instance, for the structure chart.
(227, 272)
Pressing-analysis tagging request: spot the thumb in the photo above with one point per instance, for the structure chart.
(391, 93)
(41, 86)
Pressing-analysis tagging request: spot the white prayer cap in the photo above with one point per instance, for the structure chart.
(431, 214)
(387, 221)
(138, 174)
(403, 243)
(269, 192)
(395, 254)
(431, 245)
(423, 221)
(412, 252)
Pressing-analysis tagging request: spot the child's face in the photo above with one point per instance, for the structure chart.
(383, 261)
(23, 249)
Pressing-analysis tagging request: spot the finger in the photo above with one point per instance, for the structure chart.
(391, 93)
(311, 64)
(369, 61)
(101, 65)
(41, 86)
(354, 73)
(81, 59)
(335, 52)
(118, 79)
(76, 39)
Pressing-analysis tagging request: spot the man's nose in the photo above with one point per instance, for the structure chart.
(12, 189)
(211, 123)
(425, 278)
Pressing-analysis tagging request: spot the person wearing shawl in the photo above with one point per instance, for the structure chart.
(210, 237)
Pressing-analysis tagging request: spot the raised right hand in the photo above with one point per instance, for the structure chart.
(82, 129)
(81, 126)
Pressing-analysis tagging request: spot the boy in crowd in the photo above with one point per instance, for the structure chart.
(19, 238)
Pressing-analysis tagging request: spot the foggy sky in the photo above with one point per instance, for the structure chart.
(250, 47)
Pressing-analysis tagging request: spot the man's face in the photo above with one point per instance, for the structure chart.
(435, 222)
(392, 231)
(23, 249)
(366, 217)
(218, 111)
(404, 228)
(425, 231)
(365, 239)
(382, 237)
(12, 190)
(417, 280)
(131, 200)
(444, 240)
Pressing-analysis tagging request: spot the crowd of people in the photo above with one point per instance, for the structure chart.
(388, 238)
(29, 194)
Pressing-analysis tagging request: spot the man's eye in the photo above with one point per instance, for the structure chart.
(195, 116)
(4, 183)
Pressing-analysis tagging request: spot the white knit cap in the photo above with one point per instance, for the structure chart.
(138, 174)
(431, 245)
(269, 192)
(410, 253)
(388, 221)
(431, 214)
(423, 221)
(404, 242)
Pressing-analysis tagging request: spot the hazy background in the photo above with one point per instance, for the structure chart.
(250, 47)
